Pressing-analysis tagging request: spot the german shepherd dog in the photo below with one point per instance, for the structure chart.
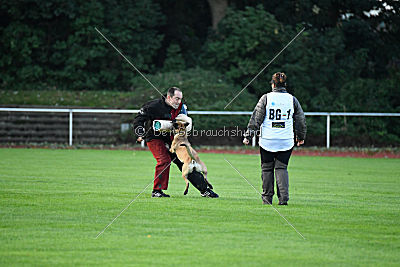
(186, 154)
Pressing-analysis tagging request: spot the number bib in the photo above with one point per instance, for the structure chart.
(278, 122)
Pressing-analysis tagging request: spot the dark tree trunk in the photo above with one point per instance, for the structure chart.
(218, 9)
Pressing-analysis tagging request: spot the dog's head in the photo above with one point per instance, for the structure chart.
(179, 127)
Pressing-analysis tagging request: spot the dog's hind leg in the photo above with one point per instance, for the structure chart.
(185, 172)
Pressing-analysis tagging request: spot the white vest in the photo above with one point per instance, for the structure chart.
(278, 122)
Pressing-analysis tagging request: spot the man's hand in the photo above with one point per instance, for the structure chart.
(300, 142)
(139, 131)
(246, 141)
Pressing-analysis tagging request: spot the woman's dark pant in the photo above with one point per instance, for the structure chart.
(278, 162)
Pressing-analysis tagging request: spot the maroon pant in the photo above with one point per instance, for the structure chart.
(162, 155)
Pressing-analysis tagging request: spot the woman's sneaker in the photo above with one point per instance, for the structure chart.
(158, 193)
(266, 200)
(209, 193)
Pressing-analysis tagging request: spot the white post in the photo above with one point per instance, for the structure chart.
(70, 127)
(253, 141)
(328, 129)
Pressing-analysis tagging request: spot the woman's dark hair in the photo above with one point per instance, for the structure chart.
(171, 91)
(279, 79)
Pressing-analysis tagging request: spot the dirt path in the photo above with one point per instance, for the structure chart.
(302, 152)
(351, 154)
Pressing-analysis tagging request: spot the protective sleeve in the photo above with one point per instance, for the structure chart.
(185, 118)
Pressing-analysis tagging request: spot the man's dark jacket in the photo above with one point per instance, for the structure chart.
(155, 110)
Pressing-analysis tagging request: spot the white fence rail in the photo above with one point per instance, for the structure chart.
(133, 111)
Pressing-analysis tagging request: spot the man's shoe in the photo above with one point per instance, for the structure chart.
(209, 193)
(158, 193)
(282, 203)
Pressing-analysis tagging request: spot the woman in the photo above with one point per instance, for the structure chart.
(281, 119)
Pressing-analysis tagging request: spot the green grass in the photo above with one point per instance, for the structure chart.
(96, 99)
(54, 203)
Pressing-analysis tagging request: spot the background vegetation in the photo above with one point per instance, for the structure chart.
(345, 60)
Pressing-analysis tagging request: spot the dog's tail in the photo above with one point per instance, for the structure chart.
(189, 151)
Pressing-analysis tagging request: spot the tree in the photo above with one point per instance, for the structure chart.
(174, 60)
(246, 41)
(187, 24)
(53, 44)
(218, 10)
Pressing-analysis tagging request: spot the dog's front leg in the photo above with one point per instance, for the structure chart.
(173, 147)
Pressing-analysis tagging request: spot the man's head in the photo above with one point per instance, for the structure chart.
(174, 97)
(278, 80)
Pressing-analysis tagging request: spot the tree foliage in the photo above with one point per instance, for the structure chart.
(53, 44)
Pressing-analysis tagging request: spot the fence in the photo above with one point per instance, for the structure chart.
(133, 111)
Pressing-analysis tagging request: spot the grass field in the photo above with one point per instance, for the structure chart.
(55, 202)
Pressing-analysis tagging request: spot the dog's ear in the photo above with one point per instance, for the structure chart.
(186, 124)
(175, 125)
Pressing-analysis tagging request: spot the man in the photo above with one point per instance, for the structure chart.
(282, 122)
(166, 108)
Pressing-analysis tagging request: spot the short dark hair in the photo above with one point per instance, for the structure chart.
(171, 91)
(279, 79)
